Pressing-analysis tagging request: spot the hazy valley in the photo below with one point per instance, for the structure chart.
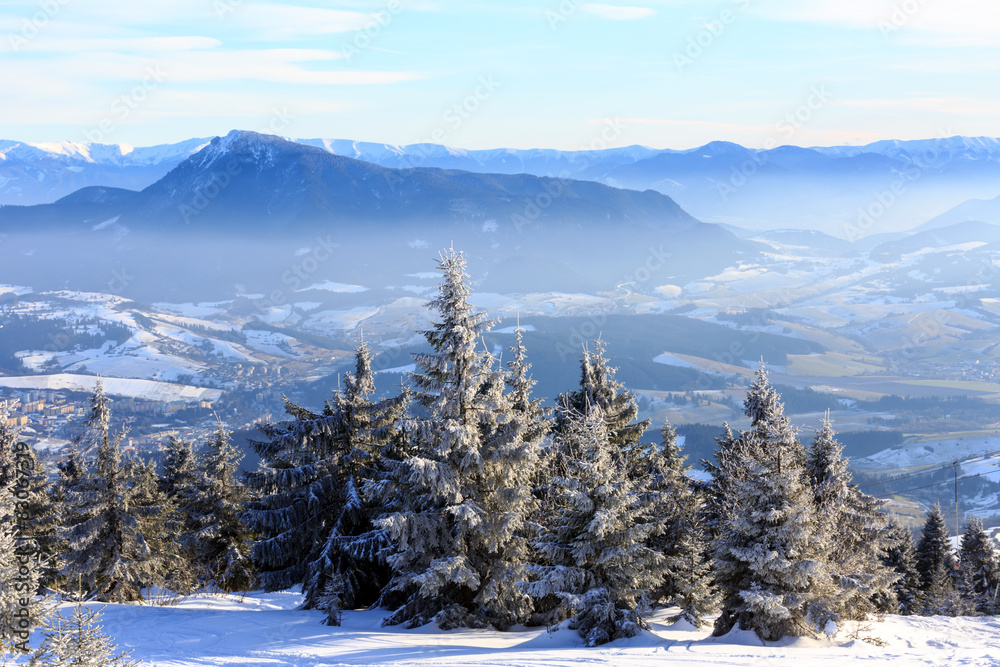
(252, 267)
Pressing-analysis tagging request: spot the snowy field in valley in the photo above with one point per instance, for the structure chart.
(127, 387)
(266, 629)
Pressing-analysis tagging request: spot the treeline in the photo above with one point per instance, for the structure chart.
(26, 332)
(462, 501)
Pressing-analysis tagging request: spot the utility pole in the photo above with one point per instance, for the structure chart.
(956, 499)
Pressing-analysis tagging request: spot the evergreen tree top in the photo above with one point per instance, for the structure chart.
(762, 403)
(826, 464)
(599, 390)
(460, 324)
(457, 379)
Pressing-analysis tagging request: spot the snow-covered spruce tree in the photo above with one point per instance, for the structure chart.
(459, 534)
(71, 471)
(315, 509)
(681, 535)
(107, 552)
(900, 556)
(38, 520)
(70, 475)
(520, 402)
(179, 463)
(78, 641)
(18, 560)
(853, 525)
(597, 565)
(980, 568)
(220, 540)
(162, 526)
(769, 555)
(937, 566)
(599, 390)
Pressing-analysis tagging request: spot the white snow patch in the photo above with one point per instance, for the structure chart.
(194, 309)
(269, 629)
(107, 223)
(668, 359)
(510, 330)
(330, 286)
(269, 342)
(148, 389)
(342, 319)
(400, 369)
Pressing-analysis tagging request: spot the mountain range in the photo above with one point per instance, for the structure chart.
(830, 189)
(271, 198)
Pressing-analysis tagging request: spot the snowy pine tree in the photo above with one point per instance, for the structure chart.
(936, 566)
(18, 558)
(599, 390)
(598, 567)
(682, 534)
(854, 527)
(38, 521)
(769, 554)
(179, 463)
(317, 505)
(108, 553)
(216, 499)
(520, 403)
(162, 527)
(458, 532)
(980, 568)
(71, 471)
(900, 556)
(78, 641)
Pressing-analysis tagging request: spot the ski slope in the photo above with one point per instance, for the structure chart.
(266, 629)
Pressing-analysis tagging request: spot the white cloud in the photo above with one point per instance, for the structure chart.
(284, 66)
(278, 22)
(962, 106)
(127, 44)
(617, 12)
(966, 20)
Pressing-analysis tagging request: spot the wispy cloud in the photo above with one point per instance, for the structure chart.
(266, 20)
(618, 12)
(965, 106)
(966, 21)
(149, 45)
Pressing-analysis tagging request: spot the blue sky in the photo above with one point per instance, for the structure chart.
(562, 74)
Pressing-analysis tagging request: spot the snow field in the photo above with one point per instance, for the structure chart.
(267, 629)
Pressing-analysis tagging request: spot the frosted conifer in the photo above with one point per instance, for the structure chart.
(18, 558)
(937, 568)
(900, 556)
(39, 517)
(682, 533)
(598, 568)
(79, 641)
(769, 555)
(853, 525)
(220, 540)
(107, 551)
(162, 527)
(318, 493)
(458, 533)
(599, 390)
(980, 567)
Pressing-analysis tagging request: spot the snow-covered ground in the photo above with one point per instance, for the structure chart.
(147, 389)
(266, 629)
(931, 452)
